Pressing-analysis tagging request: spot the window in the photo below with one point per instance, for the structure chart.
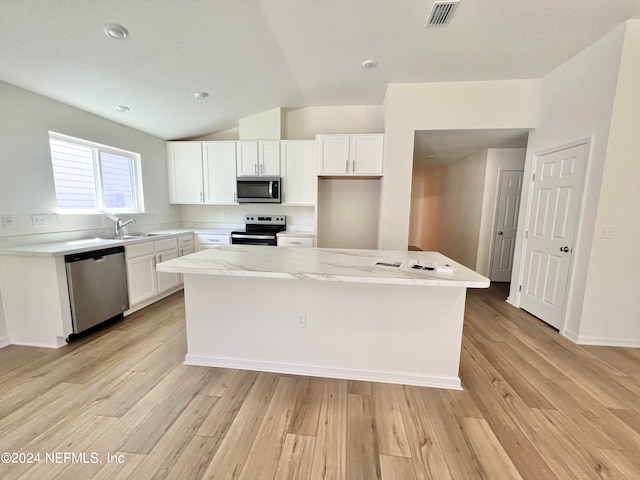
(94, 178)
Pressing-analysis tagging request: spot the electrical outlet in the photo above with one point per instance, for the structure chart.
(221, 214)
(606, 232)
(7, 220)
(301, 320)
(38, 220)
(310, 216)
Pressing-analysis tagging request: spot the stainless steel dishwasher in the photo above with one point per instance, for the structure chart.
(97, 283)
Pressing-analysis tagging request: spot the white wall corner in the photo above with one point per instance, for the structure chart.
(4, 342)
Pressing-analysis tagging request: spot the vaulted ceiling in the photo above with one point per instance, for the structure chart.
(254, 55)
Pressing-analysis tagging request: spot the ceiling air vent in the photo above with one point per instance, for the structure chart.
(441, 13)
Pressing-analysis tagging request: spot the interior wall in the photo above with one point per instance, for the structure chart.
(459, 221)
(262, 126)
(348, 213)
(4, 337)
(229, 135)
(26, 184)
(611, 310)
(232, 216)
(498, 160)
(429, 207)
(441, 106)
(576, 103)
(306, 123)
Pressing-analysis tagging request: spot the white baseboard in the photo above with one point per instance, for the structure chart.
(4, 341)
(607, 342)
(60, 342)
(511, 302)
(153, 300)
(403, 378)
(571, 336)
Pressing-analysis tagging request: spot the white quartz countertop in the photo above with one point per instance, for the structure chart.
(338, 265)
(54, 249)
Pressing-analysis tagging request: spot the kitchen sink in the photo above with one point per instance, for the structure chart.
(132, 236)
(124, 237)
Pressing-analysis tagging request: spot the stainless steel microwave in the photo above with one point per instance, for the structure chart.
(258, 189)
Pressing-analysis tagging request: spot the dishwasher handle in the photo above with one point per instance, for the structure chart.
(96, 255)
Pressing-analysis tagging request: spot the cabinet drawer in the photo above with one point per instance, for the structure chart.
(139, 249)
(185, 240)
(207, 240)
(295, 242)
(166, 244)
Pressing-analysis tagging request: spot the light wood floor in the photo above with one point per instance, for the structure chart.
(535, 406)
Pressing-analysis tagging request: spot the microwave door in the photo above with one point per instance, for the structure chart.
(253, 190)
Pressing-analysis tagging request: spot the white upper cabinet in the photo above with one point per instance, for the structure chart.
(367, 153)
(185, 172)
(350, 154)
(219, 166)
(202, 172)
(297, 165)
(256, 158)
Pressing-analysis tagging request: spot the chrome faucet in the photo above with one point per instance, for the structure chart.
(119, 224)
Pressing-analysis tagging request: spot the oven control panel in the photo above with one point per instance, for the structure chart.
(261, 219)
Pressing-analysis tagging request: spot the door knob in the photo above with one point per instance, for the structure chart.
(564, 249)
(500, 232)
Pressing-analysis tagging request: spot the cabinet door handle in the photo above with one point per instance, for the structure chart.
(202, 196)
(353, 166)
(261, 169)
(255, 168)
(346, 166)
(296, 243)
(155, 261)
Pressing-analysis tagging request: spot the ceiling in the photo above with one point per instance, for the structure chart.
(439, 147)
(255, 55)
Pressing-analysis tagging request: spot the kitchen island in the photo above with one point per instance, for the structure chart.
(326, 312)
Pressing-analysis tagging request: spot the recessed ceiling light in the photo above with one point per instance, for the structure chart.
(115, 31)
(201, 95)
(369, 64)
(122, 108)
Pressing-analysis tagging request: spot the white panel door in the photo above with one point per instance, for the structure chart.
(553, 218)
(504, 238)
(269, 158)
(142, 279)
(333, 154)
(298, 172)
(185, 172)
(219, 172)
(367, 152)
(247, 159)
(167, 280)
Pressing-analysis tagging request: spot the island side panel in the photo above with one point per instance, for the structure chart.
(404, 334)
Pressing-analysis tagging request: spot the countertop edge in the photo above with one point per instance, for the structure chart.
(440, 282)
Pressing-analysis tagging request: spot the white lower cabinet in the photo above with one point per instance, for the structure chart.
(212, 240)
(144, 281)
(296, 241)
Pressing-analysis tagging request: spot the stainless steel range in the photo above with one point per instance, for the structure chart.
(260, 229)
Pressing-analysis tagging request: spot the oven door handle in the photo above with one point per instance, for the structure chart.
(256, 237)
